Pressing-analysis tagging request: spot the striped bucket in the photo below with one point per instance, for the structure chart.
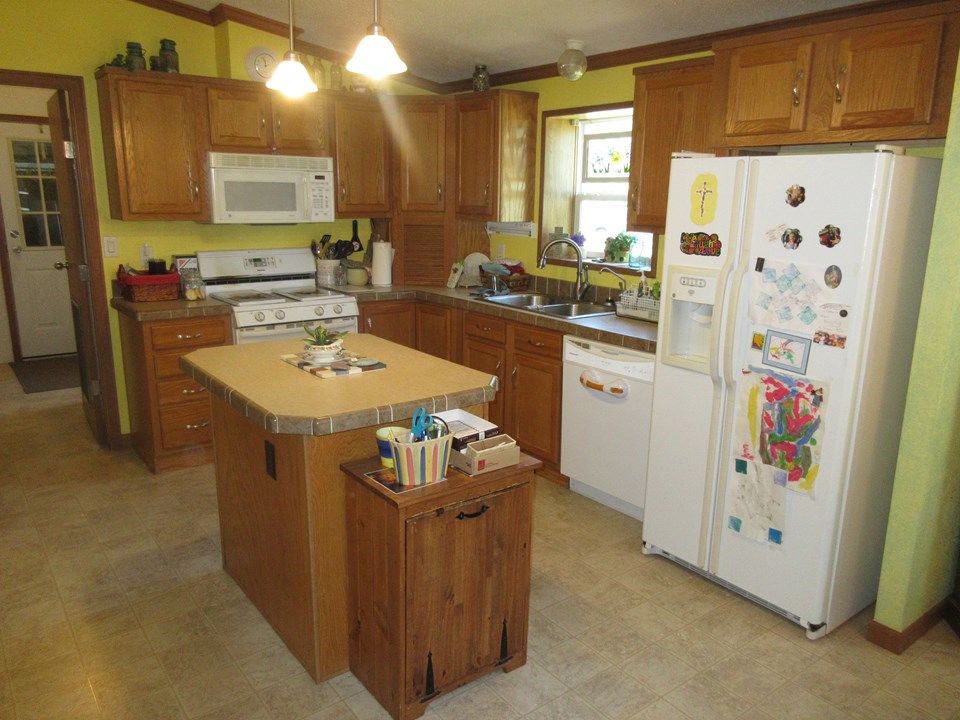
(421, 463)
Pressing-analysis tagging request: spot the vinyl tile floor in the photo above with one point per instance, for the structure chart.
(113, 604)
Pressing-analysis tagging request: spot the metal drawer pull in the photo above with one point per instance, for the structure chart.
(195, 336)
(536, 344)
(841, 71)
(484, 328)
(467, 516)
(188, 391)
(202, 425)
(796, 87)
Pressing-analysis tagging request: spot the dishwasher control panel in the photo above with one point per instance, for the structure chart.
(608, 358)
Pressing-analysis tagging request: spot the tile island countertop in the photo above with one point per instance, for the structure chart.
(281, 398)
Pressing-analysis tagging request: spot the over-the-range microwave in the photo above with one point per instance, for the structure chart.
(270, 189)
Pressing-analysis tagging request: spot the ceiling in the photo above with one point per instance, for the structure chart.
(441, 41)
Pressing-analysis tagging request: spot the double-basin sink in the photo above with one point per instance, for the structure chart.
(550, 305)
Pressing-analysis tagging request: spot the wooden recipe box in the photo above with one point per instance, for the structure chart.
(438, 581)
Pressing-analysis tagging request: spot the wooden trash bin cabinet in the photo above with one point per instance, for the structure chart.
(439, 581)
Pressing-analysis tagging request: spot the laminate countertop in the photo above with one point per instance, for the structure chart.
(281, 398)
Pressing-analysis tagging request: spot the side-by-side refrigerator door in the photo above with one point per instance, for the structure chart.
(704, 215)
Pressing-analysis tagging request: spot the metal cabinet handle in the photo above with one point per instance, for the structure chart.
(796, 87)
(497, 368)
(486, 192)
(343, 189)
(483, 328)
(513, 376)
(439, 192)
(469, 516)
(63, 265)
(841, 71)
(263, 122)
(189, 391)
(370, 322)
(195, 336)
(202, 425)
(536, 344)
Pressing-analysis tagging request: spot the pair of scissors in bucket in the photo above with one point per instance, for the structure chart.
(420, 425)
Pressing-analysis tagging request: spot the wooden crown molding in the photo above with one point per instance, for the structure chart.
(24, 119)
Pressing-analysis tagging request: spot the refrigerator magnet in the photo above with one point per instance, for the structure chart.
(791, 238)
(757, 342)
(827, 339)
(832, 277)
(700, 243)
(785, 351)
(830, 236)
(796, 194)
(703, 199)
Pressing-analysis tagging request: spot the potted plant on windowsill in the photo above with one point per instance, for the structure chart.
(617, 248)
(322, 344)
(568, 252)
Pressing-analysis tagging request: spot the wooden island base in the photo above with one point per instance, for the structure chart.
(281, 502)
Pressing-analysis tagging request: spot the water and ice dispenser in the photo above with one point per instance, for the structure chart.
(689, 317)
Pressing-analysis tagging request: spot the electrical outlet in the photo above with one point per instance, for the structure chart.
(501, 251)
(110, 247)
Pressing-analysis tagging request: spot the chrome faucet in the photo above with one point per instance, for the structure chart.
(618, 276)
(582, 282)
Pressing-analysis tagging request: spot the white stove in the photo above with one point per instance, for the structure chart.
(272, 293)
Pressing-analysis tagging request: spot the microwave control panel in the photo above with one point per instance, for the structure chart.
(320, 196)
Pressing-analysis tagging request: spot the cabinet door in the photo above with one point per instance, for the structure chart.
(302, 125)
(533, 405)
(162, 166)
(467, 589)
(671, 112)
(477, 156)
(239, 118)
(423, 156)
(885, 76)
(394, 321)
(769, 87)
(362, 158)
(491, 359)
(438, 331)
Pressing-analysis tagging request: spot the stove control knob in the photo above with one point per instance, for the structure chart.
(338, 309)
(259, 316)
(318, 310)
(279, 314)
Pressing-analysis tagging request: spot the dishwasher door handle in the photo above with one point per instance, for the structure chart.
(617, 388)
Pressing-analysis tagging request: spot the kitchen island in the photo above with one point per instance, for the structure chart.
(280, 435)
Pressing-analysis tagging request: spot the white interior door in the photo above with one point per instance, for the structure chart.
(35, 244)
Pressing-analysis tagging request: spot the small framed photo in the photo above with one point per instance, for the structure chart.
(787, 352)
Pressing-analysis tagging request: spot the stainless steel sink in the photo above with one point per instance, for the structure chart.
(577, 310)
(524, 300)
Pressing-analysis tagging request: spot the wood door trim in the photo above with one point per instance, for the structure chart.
(90, 228)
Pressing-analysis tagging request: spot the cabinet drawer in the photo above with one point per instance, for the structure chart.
(538, 342)
(167, 365)
(485, 327)
(189, 333)
(186, 424)
(173, 392)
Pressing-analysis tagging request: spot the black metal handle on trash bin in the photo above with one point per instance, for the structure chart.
(462, 515)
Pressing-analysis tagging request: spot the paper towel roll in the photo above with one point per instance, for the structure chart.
(382, 270)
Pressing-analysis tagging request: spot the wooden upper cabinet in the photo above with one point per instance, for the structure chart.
(422, 155)
(880, 77)
(246, 117)
(768, 88)
(362, 157)
(153, 133)
(496, 149)
(887, 75)
(671, 112)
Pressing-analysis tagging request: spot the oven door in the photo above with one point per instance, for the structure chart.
(281, 331)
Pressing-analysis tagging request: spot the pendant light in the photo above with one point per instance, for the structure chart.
(291, 77)
(375, 56)
(572, 63)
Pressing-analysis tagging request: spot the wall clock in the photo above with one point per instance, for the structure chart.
(261, 63)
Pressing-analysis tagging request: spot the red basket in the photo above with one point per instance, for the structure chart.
(149, 288)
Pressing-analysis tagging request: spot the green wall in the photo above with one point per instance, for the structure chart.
(920, 555)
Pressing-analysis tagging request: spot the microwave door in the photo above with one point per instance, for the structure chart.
(243, 196)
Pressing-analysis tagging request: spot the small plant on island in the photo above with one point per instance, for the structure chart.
(319, 336)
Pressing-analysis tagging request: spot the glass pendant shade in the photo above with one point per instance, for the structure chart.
(572, 63)
(375, 56)
(291, 78)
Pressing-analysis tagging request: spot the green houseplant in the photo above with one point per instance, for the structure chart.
(617, 248)
(321, 343)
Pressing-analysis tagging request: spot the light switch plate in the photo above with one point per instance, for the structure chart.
(110, 247)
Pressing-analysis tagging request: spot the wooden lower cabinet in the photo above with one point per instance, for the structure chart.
(439, 582)
(393, 320)
(169, 412)
(438, 330)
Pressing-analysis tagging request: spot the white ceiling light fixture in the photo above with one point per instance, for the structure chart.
(375, 56)
(572, 63)
(291, 77)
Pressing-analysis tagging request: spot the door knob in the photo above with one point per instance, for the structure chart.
(63, 265)
(18, 249)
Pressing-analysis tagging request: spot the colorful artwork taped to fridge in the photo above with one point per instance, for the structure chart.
(780, 420)
(832, 325)
(830, 236)
(787, 352)
(786, 296)
(699, 243)
(796, 194)
(703, 199)
(758, 505)
(757, 342)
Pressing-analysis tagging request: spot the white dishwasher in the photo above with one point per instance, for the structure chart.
(607, 398)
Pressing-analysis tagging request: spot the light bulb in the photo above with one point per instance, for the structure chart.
(291, 78)
(572, 63)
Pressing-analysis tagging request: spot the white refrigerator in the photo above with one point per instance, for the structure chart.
(790, 298)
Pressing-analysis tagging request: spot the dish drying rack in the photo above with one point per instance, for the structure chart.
(634, 303)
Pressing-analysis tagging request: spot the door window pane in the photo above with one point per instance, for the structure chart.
(30, 200)
(34, 231)
(45, 157)
(25, 157)
(51, 200)
(53, 227)
(39, 201)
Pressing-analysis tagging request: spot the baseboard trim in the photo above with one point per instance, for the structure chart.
(897, 641)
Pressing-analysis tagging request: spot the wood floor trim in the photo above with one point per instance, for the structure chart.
(897, 641)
